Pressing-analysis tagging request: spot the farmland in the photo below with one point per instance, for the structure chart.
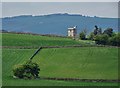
(85, 63)
(9, 39)
(82, 62)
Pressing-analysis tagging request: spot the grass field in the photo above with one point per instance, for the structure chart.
(9, 39)
(84, 62)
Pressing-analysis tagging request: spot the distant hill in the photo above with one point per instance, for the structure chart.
(56, 23)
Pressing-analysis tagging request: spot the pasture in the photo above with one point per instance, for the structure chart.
(84, 63)
(9, 39)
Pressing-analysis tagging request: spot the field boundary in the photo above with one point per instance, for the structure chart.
(36, 47)
(81, 80)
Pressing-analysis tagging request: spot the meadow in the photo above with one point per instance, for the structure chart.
(84, 63)
(80, 62)
(10, 39)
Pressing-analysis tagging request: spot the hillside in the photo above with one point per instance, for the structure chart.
(56, 23)
(9, 39)
(84, 63)
(78, 62)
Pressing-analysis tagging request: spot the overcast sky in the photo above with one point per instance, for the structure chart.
(101, 9)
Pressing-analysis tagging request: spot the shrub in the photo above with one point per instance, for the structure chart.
(29, 70)
(115, 40)
(82, 36)
(108, 31)
(102, 39)
(91, 36)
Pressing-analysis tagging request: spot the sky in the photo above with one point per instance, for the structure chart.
(100, 9)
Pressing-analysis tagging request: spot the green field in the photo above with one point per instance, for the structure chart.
(84, 62)
(9, 39)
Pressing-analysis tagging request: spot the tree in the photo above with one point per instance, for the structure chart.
(108, 31)
(29, 70)
(115, 40)
(82, 35)
(97, 30)
(102, 39)
(91, 36)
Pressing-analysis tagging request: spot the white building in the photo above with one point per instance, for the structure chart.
(72, 32)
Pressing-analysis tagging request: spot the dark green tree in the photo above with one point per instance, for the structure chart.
(29, 70)
(91, 36)
(115, 40)
(97, 30)
(102, 39)
(82, 35)
(108, 31)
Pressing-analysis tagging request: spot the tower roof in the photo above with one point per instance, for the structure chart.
(74, 28)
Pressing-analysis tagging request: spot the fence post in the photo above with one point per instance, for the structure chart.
(35, 53)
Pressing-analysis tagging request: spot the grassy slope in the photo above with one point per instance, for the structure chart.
(9, 39)
(83, 62)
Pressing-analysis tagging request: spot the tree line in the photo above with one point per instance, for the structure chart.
(107, 37)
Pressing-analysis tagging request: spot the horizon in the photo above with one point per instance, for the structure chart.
(99, 9)
(54, 14)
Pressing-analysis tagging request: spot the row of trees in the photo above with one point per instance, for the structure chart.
(107, 37)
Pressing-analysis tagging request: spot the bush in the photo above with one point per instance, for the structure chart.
(91, 36)
(82, 36)
(108, 31)
(29, 70)
(115, 40)
(102, 39)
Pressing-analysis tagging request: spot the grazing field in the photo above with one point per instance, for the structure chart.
(9, 39)
(84, 63)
